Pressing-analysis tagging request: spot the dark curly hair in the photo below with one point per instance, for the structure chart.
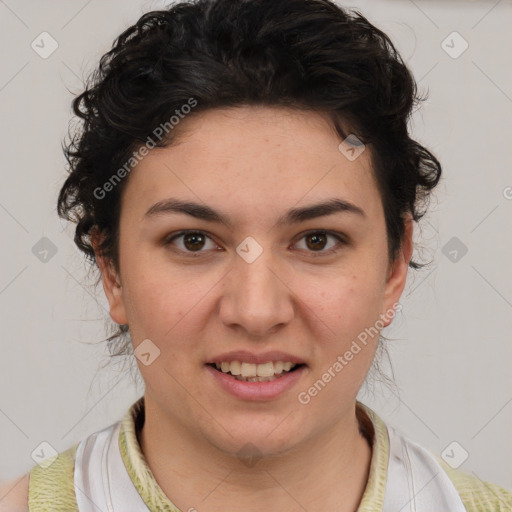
(304, 54)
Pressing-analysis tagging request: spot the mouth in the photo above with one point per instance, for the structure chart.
(250, 372)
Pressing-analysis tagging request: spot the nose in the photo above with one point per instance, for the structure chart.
(256, 298)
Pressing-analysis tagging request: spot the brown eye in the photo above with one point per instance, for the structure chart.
(191, 242)
(318, 242)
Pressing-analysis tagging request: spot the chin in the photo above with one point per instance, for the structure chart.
(254, 439)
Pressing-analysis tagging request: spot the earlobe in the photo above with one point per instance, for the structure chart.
(111, 282)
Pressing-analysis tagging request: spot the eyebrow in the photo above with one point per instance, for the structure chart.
(292, 216)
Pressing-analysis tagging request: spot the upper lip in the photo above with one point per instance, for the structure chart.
(248, 357)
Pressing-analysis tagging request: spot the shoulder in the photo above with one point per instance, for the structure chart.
(50, 482)
(53, 482)
(43, 484)
(14, 494)
(476, 494)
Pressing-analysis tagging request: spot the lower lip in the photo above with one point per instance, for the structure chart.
(257, 390)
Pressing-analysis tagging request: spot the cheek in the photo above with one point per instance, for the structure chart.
(160, 301)
(154, 302)
(345, 303)
(345, 312)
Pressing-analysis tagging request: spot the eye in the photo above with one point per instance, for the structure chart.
(317, 241)
(191, 242)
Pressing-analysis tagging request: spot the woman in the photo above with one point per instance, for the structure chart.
(247, 186)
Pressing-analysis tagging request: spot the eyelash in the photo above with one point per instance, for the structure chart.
(194, 254)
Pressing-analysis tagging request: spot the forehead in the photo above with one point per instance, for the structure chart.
(251, 157)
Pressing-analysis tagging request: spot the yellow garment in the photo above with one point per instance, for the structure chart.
(52, 489)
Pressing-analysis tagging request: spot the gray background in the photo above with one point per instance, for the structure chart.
(450, 347)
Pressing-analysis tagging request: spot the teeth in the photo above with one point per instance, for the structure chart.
(265, 370)
(234, 368)
(248, 370)
(278, 367)
(255, 372)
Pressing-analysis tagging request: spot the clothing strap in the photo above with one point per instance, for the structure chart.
(101, 480)
(416, 482)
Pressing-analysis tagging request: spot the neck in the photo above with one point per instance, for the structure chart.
(328, 472)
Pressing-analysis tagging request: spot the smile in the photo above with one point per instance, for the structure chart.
(250, 372)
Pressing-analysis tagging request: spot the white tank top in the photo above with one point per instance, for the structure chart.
(415, 481)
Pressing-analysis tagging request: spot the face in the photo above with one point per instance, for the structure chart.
(254, 275)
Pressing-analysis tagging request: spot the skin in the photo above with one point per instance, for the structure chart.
(253, 164)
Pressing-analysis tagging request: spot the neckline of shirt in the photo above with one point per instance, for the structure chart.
(371, 427)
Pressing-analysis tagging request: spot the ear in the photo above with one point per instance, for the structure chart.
(111, 281)
(397, 272)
